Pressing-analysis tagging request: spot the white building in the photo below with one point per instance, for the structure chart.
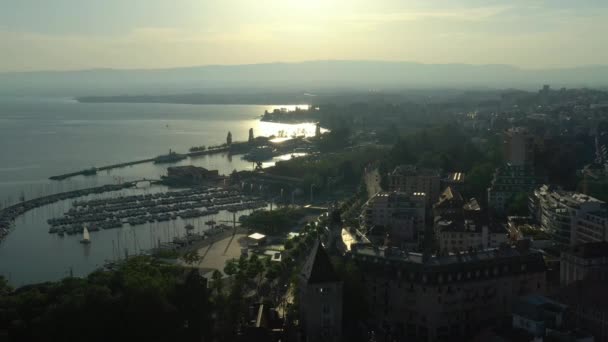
(570, 218)
(456, 235)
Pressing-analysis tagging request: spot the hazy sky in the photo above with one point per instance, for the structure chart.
(77, 34)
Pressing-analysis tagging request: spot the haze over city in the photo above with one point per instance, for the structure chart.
(304, 170)
(72, 34)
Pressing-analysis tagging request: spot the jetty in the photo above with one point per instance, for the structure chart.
(94, 170)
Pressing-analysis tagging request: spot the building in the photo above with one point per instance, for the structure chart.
(464, 235)
(410, 179)
(455, 180)
(587, 301)
(189, 175)
(420, 297)
(461, 226)
(570, 218)
(535, 314)
(592, 227)
(262, 324)
(518, 147)
(450, 203)
(403, 215)
(509, 181)
(320, 294)
(526, 228)
(585, 261)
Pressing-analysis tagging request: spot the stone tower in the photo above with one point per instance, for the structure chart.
(320, 295)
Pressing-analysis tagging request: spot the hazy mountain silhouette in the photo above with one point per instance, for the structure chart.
(304, 75)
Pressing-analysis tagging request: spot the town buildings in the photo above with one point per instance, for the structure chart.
(401, 214)
(518, 147)
(468, 234)
(508, 182)
(410, 179)
(421, 297)
(570, 218)
(461, 225)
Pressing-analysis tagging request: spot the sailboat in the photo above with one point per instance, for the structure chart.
(86, 239)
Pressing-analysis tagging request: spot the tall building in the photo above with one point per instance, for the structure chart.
(414, 297)
(402, 214)
(570, 218)
(410, 179)
(518, 147)
(320, 295)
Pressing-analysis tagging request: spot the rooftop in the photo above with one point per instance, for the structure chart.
(481, 256)
(449, 197)
(413, 170)
(318, 267)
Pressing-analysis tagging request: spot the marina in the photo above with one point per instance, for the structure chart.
(159, 207)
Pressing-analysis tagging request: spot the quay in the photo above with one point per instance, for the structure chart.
(94, 170)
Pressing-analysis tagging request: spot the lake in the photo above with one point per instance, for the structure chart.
(42, 137)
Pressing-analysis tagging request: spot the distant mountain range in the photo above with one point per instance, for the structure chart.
(301, 76)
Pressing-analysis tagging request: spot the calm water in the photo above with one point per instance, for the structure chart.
(41, 137)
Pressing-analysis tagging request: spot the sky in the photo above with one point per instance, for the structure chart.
(83, 34)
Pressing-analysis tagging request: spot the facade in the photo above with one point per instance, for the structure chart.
(403, 214)
(585, 261)
(569, 218)
(455, 236)
(320, 294)
(518, 147)
(410, 179)
(592, 227)
(417, 297)
(508, 181)
(463, 226)
(588, 306)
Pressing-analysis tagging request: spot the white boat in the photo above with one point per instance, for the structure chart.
(85, 236)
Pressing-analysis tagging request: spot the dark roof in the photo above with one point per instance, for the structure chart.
(590, 250)
(318, 267)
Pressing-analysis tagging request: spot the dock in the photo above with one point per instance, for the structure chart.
(92, 171)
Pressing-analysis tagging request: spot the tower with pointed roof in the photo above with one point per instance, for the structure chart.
(320, 294)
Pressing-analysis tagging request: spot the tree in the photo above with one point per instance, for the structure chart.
(518, 205)
(217, 278)
(231, 268)
(191, 258)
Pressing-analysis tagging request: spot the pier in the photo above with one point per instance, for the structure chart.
(94, 170)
